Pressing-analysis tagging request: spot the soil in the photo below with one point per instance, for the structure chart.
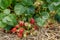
(52, 33)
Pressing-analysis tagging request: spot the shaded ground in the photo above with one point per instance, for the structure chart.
(52, 33)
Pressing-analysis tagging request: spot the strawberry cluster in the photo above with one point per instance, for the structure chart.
(22, 29)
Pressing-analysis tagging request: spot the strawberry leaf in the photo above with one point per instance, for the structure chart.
(5, 3)
(2, 25)
(19, 9)
(10, 19)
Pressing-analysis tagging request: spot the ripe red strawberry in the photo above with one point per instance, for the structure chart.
(35, 27)
(21, 31)
(19, 35)
(32, 21)
(13, 30)
(17, 26)
(21, 23)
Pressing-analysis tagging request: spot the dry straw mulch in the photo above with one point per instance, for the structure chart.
(52, 33)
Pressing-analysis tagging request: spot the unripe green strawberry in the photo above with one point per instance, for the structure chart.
(31, 33)
(29, 26)
(25, 35)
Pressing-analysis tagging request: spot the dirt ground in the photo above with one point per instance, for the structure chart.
(43, 34)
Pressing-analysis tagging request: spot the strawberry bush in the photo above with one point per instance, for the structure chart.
(25, 16)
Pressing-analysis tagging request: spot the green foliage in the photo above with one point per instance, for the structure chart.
(2, 25)
(7, 20)
(41, 20)
(10, 19)
(11, 11)
(27, 2)
(19, 9)
(6, 11)
(5, 3)
(57, 16)
(8, 27)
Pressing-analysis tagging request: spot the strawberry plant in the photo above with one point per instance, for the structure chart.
(25, 16)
